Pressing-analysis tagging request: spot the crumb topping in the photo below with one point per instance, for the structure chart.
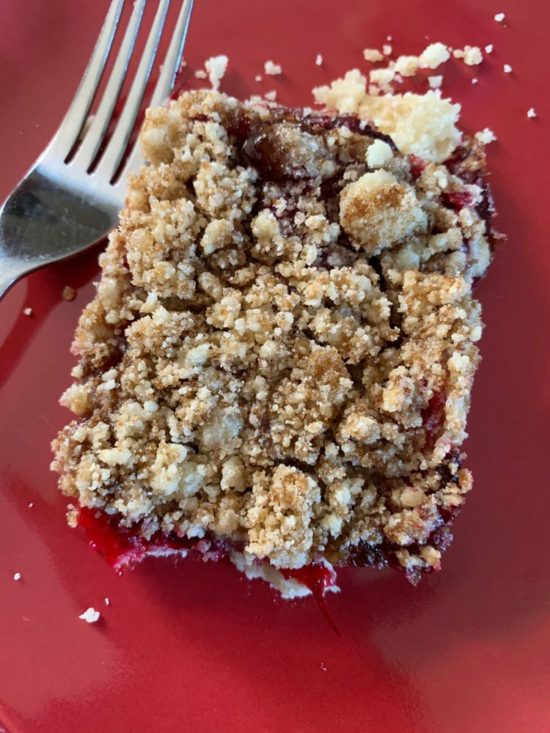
(283, 340)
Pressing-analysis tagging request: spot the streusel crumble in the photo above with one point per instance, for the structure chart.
(278, 361)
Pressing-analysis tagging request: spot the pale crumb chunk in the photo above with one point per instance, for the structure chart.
(489, 48)
(372, 55)
(30, 504)
(27, 311)
(379, 153)
(531, 112)
(389, 38)
(107, 601)
(271, 96)
(387, 49)
(406, 65)
(17, 576)
(90, 615)
(200, 74)
(507, 69)
(216, 66)
(485, 136)
(499, 17)
(319, 60)
(68, 293)
(475, 80)
(272, 69)
(435, 82)
(258, 77)
(433, 56)
(471, 55)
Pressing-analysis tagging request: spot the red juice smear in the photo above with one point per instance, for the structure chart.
(318, 577)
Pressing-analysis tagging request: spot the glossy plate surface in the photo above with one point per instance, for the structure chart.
(187, 646)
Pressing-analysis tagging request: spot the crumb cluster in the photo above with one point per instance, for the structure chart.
(283, 340)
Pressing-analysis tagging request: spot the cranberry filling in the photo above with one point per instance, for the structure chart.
(123, 549)
(458, 200)
(433, 418)
(417, 165)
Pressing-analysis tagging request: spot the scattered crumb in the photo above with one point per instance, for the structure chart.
(475, 80)
(183, 64)
(17, 576)
(507, 69)
(471, 55)
(386, 50)
(90, 615)
(485, 136)
(200, 74)
(323, 667)
(406, 65)
(489, 48)
(258, 77)
(107, 601)
(372, 55)
(272, 69)
(271, 96)
(389, 38)
(499, 17)
(68, 293)
(216, 66)
(433, 56)
(27, 311)
(30, 504)
(319, 59)
(435, 81)
(531, 113)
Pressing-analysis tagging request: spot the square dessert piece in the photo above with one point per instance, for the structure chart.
(278, 361)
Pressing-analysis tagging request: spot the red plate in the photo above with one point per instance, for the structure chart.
(187, 646)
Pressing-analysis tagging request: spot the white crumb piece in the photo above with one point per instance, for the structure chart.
(318, 59)
(272, 69)
(406, 65)
(345, 94)
(200, 74)
(382, 77)
(271, 96)
(433, 56)
(30, 504)
(68, 293)
(323, 667)
(17, 576)
(107, 601)
(389, 38)
(531, 112)
(507, 69)
(183, 64)
(27, 311)
(472, 55)
(216, 66)
(372, 55)
(379, 154)
(435, 81)
(475, 80)
(489, 48)
(485, 136)
(386, 49)
(90, 615)
(499, 17)
(258, 77)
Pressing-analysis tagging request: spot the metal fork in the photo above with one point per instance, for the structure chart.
(61, 207)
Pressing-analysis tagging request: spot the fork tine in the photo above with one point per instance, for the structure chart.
(93, 137)
(167, 76)
(172, 60)
(110, 160)
(75, 117)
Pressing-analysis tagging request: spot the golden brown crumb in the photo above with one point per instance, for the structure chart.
(282, 344)
(68, 293)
